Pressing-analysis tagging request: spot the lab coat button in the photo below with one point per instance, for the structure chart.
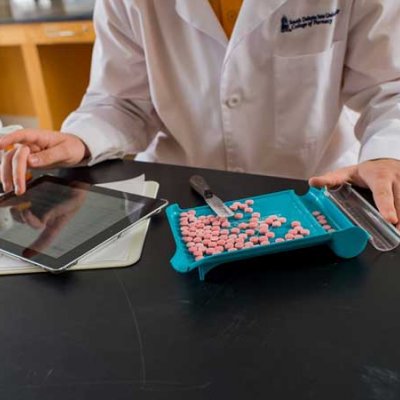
(233, 101)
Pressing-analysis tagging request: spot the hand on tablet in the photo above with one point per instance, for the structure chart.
(33, 148)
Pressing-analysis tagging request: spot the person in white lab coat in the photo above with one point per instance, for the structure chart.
(169, 86)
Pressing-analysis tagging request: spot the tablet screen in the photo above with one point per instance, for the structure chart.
(60, 220)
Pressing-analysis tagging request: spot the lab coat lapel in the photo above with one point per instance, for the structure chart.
(201, 16)
(252, 14)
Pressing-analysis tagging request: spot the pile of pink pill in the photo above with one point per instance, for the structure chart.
(207, 235)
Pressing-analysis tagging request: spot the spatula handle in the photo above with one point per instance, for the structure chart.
(200, 185)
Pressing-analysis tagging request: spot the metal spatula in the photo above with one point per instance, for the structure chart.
(200, 185)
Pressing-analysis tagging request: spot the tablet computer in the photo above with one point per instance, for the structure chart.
(57, 222)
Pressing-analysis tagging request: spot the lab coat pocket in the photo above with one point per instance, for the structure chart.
(307, 99)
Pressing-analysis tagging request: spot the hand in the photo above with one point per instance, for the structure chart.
(381, 176)
(30, 148)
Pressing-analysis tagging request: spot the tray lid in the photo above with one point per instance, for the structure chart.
(383, 235)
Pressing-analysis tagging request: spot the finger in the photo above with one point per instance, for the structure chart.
(6, 170)
(382, 191)
(19, 163)
(52, 157)
(396, 193)
(334, 178)
(29, 137)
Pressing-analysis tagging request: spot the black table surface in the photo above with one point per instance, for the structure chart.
(32, 11)
(300, 325)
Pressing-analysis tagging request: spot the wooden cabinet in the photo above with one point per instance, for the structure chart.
(44, 69)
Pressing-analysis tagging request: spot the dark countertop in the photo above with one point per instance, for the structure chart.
(31, 11)
(302, 325)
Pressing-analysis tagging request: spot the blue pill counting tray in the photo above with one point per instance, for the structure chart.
(352, 221)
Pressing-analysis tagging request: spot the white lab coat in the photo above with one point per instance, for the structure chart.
(168, 84)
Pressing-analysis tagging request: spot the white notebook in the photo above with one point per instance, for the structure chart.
(122, 252)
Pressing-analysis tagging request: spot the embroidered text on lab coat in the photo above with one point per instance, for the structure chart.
(289, 25)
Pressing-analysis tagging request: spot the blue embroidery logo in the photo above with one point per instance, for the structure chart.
(289, 25)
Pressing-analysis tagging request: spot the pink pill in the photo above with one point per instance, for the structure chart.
(234, 207)
(232, 249)
(183, 214)
(273, 217)
(226, 224)
(263, 230)
(212, 244)
(235, 230)
(233, 236)
(197, 240)
(270, 235)
(238, 216)
(289, 236)
(239, 245)
(199, 258)
(298, 236)
(197, 253)
(249, 202)
(264, 242)
(247, 245)
(187, 239)
(276, 224)
(305, 232)
(221, 242)
(316, 213)
(253, 225)
(282, 220)
(242, 235)
(210, 252)
(269, 220)
(321, 216)
(327, 227)
(214, 238)
(242, 206)
(215, 229)
(219, 248)
(250, 232)
(206, 242)
(242, 225)
(224, 231)
(279, 240)
(185, 223)
(248, 210)
(229, 246)
(254, 239)
(256, 215)
(190, 244)
(192, 249)
(224, 237)
(295, 223)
